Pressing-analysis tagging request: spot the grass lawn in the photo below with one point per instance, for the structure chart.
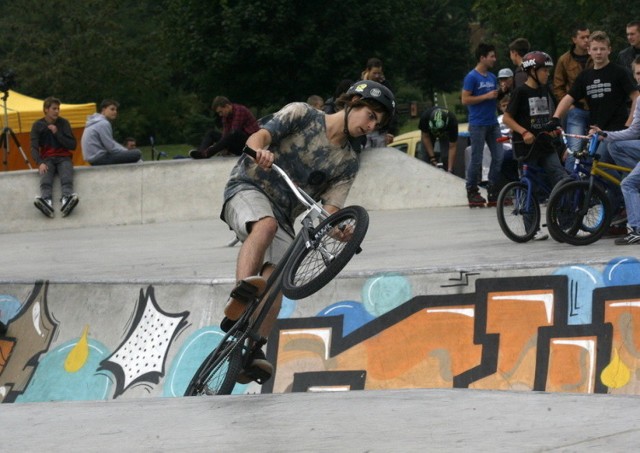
(171, 151)
(183, 149)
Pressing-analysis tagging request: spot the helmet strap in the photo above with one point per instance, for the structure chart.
(353, 141)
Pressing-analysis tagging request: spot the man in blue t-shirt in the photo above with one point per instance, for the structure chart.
(479, 94)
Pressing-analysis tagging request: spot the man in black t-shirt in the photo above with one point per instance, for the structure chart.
(606, 88)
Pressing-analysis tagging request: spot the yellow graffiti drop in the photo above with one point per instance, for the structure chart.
(616, 374)
(78, 355)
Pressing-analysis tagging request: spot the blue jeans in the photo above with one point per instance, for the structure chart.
(625, 152)
(631, 192)
(480, 135)
(577, 123)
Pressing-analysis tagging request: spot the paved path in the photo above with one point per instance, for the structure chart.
(413, 241)
(418, 241)
(357, 421)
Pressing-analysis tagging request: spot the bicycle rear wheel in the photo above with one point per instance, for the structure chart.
(578, 213)
(311, 267)
(218, 373)
(518, 212)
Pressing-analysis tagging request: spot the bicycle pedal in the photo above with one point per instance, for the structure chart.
(245, 292)
(253, 374)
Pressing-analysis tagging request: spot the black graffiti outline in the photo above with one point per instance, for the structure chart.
(490, 342)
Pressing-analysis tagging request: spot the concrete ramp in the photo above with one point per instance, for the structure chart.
(186, 189)
(373, 421)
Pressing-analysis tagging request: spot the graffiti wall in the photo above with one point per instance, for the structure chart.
(576, 329)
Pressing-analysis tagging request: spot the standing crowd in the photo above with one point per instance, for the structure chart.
(583, 94)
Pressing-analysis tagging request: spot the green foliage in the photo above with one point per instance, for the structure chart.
(547, 24)
(164, 60)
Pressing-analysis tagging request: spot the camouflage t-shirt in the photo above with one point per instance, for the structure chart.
(301, 148)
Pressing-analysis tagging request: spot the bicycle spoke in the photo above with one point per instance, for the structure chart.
(319, 258)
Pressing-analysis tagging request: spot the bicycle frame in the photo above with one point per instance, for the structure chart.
(248, 325)
(597, 170)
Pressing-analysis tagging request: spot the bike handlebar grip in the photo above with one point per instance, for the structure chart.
(248, 151)
(593, 144)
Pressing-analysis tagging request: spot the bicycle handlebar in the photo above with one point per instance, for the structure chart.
(300, 194)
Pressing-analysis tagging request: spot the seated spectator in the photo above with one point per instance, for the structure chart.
(52, 146)
(330, 104)
(631, 193)
(238, 123)
(130, 143)
(98, 145)
(315, 101)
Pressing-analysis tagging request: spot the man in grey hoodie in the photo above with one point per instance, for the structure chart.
(98, 145)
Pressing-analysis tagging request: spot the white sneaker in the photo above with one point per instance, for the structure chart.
(541, 235)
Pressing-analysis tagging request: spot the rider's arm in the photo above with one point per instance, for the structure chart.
(428, 147)
(469, 99)
(634, 100)
(512, 124)
(564, 106)
(259, 142)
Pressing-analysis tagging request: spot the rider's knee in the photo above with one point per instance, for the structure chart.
(267, 226)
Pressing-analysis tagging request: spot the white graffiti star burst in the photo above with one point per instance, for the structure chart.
(141, 356)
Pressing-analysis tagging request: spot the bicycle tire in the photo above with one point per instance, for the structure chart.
(517, 221)
(307, 270)
(564, 221)
(218, 372)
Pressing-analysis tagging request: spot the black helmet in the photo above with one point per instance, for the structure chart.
(368, 89)
(439, 119)
(536, 60)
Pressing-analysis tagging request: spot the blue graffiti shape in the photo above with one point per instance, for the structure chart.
(622, 271)
(51, 382)
(582, 281)
(141, 356)
(287, 308)
(193, 352)
(355, 316)
(385, 292)
(9, 307)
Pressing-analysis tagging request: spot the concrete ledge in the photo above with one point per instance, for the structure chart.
(164, 191)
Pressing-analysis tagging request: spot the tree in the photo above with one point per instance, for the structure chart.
(547, 24)
(432, 39)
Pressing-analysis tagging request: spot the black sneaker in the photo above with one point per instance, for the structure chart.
(68, 203)
(259, 369)
(475, 199)
(492, 196)
(197, 154)
(45, 205)
(632, 238)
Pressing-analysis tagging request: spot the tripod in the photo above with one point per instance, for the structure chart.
(4, 137)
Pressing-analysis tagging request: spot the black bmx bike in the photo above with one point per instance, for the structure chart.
(322, 247)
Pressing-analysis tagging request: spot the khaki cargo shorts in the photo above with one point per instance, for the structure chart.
(249, 206)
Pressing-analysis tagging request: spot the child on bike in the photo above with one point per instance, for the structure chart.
(528, 115)
(318, 152)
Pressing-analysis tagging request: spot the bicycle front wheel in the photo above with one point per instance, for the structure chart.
(332, 244)
(218, 373)
(518, 212)
(578, 213)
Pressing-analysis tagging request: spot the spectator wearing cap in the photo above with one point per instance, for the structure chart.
(505, 82)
